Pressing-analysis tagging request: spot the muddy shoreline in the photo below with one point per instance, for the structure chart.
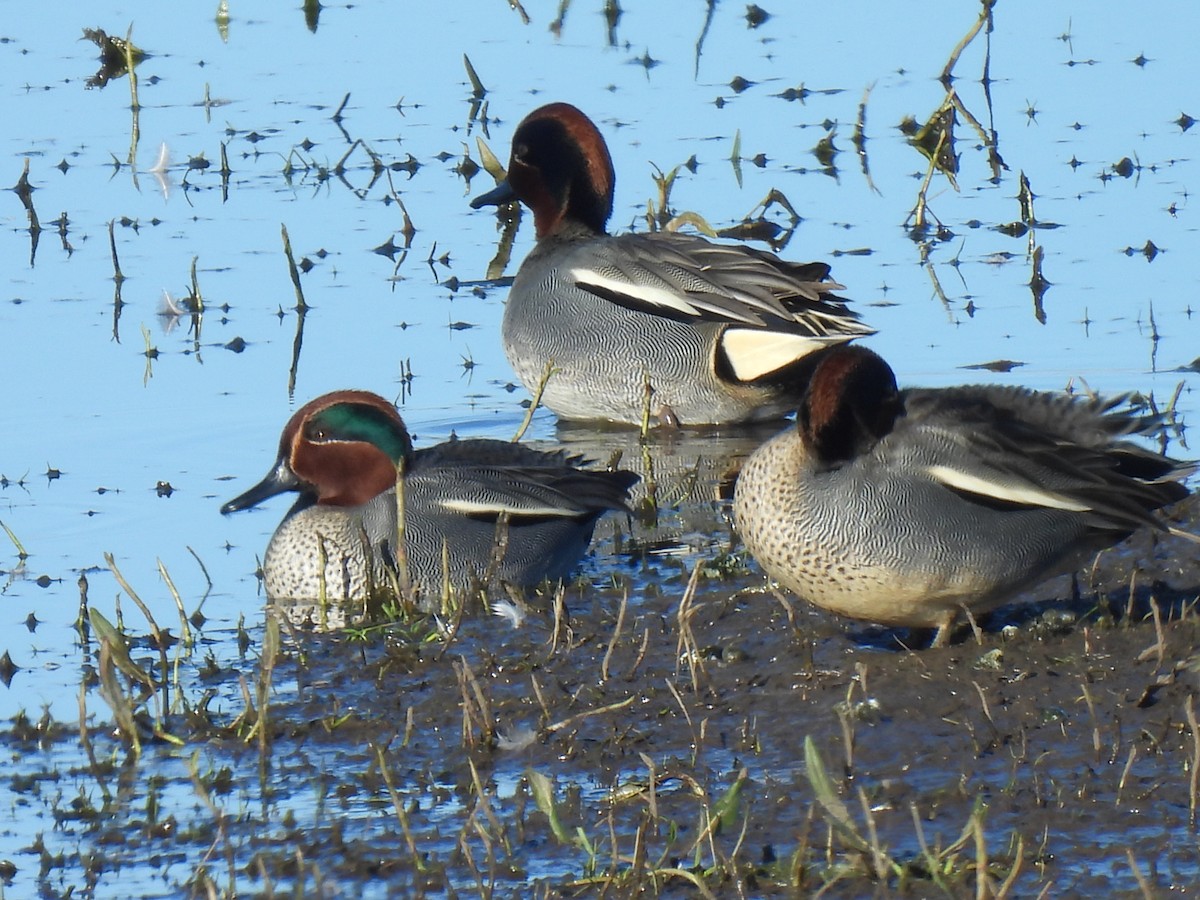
(1055, 744)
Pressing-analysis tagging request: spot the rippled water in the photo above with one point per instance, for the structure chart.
(344, 131)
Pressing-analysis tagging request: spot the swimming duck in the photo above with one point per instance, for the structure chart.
(904, 507)
(341, 452)
(721, 333)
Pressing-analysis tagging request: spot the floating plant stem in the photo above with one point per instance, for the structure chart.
(918, 213)
(118, 702)
(197, 297)
(294, 272)
(664, 182)
(686, 647)
(400, 551)
(118, 280)
(1125, 774)
(203, 569)
(185, 643)
(115, 651)
(985, 18)
(560, 623)
(81, 619)
(107, 633)
(612, 643)
(647, 507)
(339, 168)
(297, 344)
(641, 656)
(407, 228)
(488, 160)
(1018, 857)
(224, 172)
(477, 88)
(831, 805)
(690, 217)
(1038, 284)
(118, 277)
(986, 137)
(85, 740)
(410, 724)
(859, 137)
(1143, 885)
(151, 354)
(130, 62)
(266, 671)
(1194, 775)
(488, 811)
(735, 156)
(982, 880)
(536, 401)
(322, 588)
(398, 805)
(159, 639)
(337, 115)
(25, 192)
(185, 629)
(21, 554)
(647, 393)
(301, 309)
(134, 105)
(202, 877)
(587, 714)
(542, 789)
(724, 812)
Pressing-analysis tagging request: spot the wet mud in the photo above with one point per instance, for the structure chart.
(698, 736)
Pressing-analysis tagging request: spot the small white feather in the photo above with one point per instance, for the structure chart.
(509, 611)
(517, 738)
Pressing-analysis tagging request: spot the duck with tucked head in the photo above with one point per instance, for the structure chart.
(721, 333)
(904, 507)
(342, 451)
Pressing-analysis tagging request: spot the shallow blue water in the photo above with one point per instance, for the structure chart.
(1068, 101)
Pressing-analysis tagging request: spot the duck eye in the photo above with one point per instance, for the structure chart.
(520, 151)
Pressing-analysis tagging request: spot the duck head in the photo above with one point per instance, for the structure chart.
(560, 168)
(341, 449)
(851, 403)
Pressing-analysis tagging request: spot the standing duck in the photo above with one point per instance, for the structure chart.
(721, 333)
(341, 452)
(905, 507)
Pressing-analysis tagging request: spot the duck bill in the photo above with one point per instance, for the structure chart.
(497, 196)
(278, 481)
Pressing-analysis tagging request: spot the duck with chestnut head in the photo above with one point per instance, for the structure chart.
(342, 453)
(718, 333)
(905, 507)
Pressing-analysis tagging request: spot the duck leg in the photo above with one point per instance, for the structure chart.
(945, 627)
